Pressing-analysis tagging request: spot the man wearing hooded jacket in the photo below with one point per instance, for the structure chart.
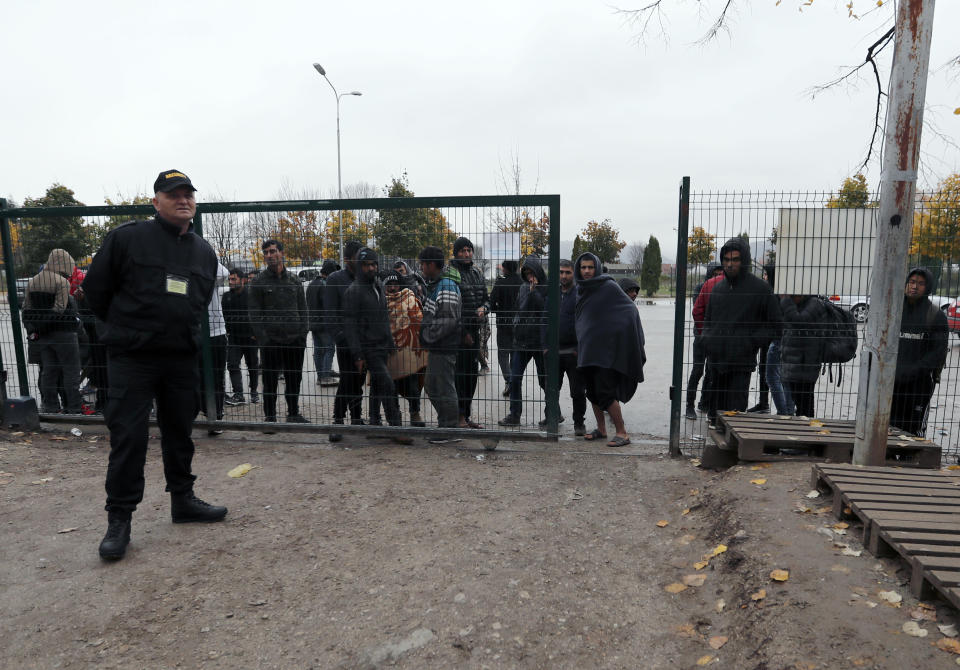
(475, 307)
(741, 317)
(920, 356)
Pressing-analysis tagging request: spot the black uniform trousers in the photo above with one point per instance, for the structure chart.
(286, 359)
(349, 388)
(136, 380)
(468, 357)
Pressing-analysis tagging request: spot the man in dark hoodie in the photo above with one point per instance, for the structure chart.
(527, 339)
(278, 315)
(569, 293)
(350, 385)
(741, 317)
(699, 356)
(921, 354)
(323, 344)
(366, 327)
(503, 298)
(610, 342)
(475, 305)
(630, 287)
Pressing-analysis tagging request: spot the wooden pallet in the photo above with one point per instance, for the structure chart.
(759, 437)
(908, 513)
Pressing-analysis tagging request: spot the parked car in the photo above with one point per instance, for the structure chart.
(859, 305)
(22, 289)
(953, 317)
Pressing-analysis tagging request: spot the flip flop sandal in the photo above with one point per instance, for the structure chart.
(618, 441)
(594, 435)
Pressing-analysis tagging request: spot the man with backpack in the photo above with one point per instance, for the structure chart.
(920, 356)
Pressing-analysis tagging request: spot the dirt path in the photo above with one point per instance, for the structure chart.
(437, 557)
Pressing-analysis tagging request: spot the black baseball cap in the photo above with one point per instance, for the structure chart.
(171, 179)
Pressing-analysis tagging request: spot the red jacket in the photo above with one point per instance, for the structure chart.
(76, 279)
(700, 306)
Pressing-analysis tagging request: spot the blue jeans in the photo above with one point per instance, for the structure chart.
(323, 349)
(778, 390)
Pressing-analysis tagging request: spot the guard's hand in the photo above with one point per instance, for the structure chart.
(467, 339)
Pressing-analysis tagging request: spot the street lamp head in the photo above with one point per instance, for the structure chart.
(354, 93)
(319, 68)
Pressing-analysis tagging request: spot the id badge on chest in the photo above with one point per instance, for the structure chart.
(177, 285)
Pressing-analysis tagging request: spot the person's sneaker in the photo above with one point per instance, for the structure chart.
(579, 429)
(297, 418)
(416, 419)
(543, 424)
(336, 437)
(329, 381)
(691, 413)
(759, 408)
(269, 419)
(188, 508)
(229, 401)
(213, 432)
(254, 396)
(113, 546)
(509, 420)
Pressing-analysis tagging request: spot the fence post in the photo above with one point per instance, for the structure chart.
(553, 320)
(907, 90)
(206, 352)
(679, 317)
(13, 302)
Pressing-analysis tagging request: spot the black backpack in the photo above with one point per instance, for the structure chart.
(840, 339)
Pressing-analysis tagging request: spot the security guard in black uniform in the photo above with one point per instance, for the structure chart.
(149, 286)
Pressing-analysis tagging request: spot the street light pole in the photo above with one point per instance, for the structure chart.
(323, 73)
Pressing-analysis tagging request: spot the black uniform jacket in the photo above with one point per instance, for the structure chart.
(149, 286)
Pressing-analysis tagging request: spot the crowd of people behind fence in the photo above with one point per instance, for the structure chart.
(740, 326)
(403, 331)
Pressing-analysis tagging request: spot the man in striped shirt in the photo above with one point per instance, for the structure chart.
(440, 333)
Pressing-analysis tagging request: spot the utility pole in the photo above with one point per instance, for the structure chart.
(901, 151)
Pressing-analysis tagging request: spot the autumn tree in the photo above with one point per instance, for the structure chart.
(98, 231)
(854, 193)
(301, 234)
(353, 229)
(40, 235)
(935, 242)
(405, 232)
(603, 240)
(700, 246)
(652, 265)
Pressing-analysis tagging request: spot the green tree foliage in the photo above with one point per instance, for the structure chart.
(935, 239)
(353, 229)
(603, 240)
(853, 193)
(40, 235)
(99, 230)
(577, 248)
(652, 263)
(701, 246)
(772, 251)
(404, 232)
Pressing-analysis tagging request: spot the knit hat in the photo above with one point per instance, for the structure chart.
(367, 255)
(389, 277)
(460, 244)
(329, 267)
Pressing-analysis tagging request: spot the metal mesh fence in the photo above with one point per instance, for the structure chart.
(322, 340)
(819, 251)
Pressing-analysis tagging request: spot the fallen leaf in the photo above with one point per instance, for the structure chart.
(66, 530)
(685, 512)
(58, 439)
(694, 462)
(847, 511)
(717, 641)
(663, 524)
(816, 423)
(913, 629)
(694, 492)
(676, 587)
(700, 565)
(720, 605)
(953, 467)
(694, 580)
(823, 432)
(730, 413)
(948, 644)
(759, 595)
(847, 551)
(814, 494)
(923, 614)
(43, 481)
(240, 470)
(891, 597)
(704, 660)
(758, 482)
(719, 549)
(686, 539)
(950, 630)
(840, 525)
(687, 630)
(760, 466)
(780, 575)
(840, 568)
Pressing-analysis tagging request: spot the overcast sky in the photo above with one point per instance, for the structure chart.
(101, 96)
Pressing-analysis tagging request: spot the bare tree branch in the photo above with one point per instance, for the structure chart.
(640, 20)
(719, 24)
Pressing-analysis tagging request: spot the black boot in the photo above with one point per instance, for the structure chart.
(691, 413)
(114, 543)
(186, 508)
